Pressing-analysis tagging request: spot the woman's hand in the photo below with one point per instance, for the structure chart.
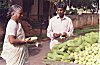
(28, 40)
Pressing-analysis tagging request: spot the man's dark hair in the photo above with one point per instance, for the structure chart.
(61, 5)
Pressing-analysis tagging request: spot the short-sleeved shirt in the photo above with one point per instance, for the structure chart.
(58, 25)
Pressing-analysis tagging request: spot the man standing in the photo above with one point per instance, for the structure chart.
(60, 26)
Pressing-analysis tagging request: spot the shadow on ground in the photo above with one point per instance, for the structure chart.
(33, 50)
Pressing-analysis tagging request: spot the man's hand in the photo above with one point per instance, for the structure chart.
(64, 34)
(56, 35)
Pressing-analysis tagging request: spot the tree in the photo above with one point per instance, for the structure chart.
(79, 3)
(83, 3)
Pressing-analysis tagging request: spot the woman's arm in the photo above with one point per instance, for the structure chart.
(13, 40)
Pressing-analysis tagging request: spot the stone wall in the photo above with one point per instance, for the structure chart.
(79, 21)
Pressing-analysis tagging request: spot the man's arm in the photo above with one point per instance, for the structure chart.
(70, 28)
(50, 30)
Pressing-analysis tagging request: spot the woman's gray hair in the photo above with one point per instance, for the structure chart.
(13, 9)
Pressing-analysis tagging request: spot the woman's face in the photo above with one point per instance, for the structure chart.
(18, 14)
(60, 12)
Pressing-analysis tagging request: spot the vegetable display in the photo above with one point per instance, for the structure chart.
(82, 50)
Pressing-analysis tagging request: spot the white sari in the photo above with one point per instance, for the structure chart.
(14, 54)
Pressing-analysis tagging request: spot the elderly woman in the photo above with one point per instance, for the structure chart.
(60, 26)
(15, 50)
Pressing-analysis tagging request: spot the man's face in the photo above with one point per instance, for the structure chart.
(60, 12)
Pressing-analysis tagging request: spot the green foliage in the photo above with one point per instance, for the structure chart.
(86, 30)
(71, 12)
(3, 5)
(3, 10)
(57, 1)
(82, 3)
